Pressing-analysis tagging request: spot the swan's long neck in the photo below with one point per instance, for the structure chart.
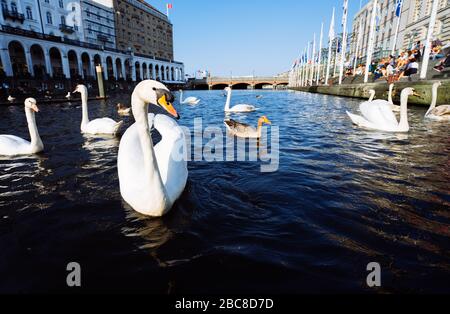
(403, 124)
(84, 104)
(36, 142)
(391, 87)
(372, 96)
(434, 96)
(140, 112)
(227, 104)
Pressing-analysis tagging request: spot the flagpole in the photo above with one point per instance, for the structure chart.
(397, 28)
(330, 43)
(344, 41)
(305, 63)
(336, 57)
(313, 61)
(320, 55)
(426, 55)
(167, 8)
(308, 58)
(371, 40)
(358, 40)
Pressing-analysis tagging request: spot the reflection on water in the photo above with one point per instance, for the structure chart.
(343, 197)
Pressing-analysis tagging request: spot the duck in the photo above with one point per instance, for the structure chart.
(104, 126)
(11, 145)
(123, 110)
(243, 130)
(69, 95)
(189, 100)
(152, 177)
(259, 96)
(378, 114)
(11, 98)
(241, 108)
(440, 113)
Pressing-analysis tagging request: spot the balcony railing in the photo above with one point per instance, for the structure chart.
(66, 29)
(13, 15)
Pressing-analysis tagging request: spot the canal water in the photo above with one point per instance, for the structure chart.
(341, 199)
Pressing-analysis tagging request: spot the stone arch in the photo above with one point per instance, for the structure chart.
(73, 63)
(38, 61)
(119, 69)
(219, 86)
(144, 71)
(261, 85)
(240, 86)
(97, 59)
(18, 59)
(56, 62)
(150, 70)
(110, 68)
(167, 73)
(172, 74)
(128, 69)
(86, 65)
(157, 76)
(137, 69)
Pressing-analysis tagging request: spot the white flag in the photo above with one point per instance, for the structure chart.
(331, 33)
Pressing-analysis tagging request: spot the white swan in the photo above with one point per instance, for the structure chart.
(151, 177)
(394, 107)
(11, 98)
(189, 100)
(11, 145)
(237, 108)
(69, 95)
(378, 115)
(97, 126)
(440, 113)
(371, 95)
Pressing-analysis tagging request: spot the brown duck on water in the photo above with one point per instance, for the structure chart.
(244, 130)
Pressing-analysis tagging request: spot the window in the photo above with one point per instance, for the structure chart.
(61, 4)
(29, 13)
(13, 7)
(4, 5)
(47, 1)
(49, 18)
(88, 13)
(63, 20)
(73, 9)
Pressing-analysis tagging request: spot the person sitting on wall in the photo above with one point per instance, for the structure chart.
(411, 68)
(443, 64)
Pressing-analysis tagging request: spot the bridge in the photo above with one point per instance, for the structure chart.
(250, 82)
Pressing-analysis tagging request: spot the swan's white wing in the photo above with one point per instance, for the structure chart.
(102, 126)
(360, 121)
(11, 145)
(172, 167)
(379, 113)
(191, 99)
(171, 156)
(243, 108)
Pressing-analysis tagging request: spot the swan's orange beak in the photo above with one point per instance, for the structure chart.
(266, 120)
(35, 108)
(168, 106)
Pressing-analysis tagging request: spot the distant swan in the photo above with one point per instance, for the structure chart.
(238, 108)
(152, 177)
(11, 98)
(189, 100)
(244, 130)
(98, 126)
(378, 115)
(11, 145)
(440, 113)
(394, 107)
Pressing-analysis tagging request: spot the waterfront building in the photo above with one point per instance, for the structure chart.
(143, 29)
(98, 22)
(415, 18)
(33, 45)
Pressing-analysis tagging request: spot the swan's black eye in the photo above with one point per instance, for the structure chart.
(154, 88)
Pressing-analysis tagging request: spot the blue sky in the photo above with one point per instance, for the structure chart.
(243, 36)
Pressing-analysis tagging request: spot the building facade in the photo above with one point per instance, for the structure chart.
(143, 29)
(32, 45)
(98, 22)
(414, 21)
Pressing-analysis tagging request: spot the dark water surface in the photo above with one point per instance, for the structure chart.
(342, 198)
